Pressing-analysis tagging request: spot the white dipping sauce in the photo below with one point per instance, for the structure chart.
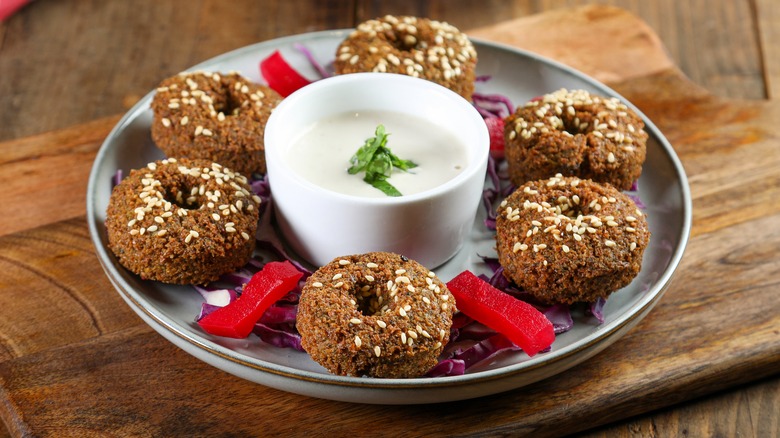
(321, 153)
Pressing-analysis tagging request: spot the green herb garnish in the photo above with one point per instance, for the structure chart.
(376, 159)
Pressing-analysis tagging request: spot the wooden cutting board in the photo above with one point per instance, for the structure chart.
(75, 360)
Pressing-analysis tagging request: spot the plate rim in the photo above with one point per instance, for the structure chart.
(622, 323)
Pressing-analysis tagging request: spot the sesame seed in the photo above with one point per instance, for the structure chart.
(339, 284)
(401, 311)
(245, 235)
(381, 323)
(609, 243)
(358, 342)
(355, 321)
(337, 277)
(317, 284)
(632, 246)
(611, 157)
(371, 265)
(565, 248)
(377, 351)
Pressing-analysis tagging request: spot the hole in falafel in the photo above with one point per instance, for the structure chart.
(180, 194)
(369, 302)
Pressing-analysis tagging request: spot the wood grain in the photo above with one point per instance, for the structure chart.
(750, 413)
(768, 13)
(97, 76)
(654, 365)
(58, 162)
(52, 274)
(716, 44)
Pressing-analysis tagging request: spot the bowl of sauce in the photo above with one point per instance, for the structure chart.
(334, 146)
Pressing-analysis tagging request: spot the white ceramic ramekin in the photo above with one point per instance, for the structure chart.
(321, 224)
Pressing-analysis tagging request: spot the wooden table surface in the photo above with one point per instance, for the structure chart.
(69, 68)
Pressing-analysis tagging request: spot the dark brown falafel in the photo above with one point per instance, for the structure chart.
(419, 47)
(575, 133)
(182, 221)
(567, 240)
(214, 116)
(376, 314)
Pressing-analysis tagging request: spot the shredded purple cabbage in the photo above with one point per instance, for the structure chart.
(279, 314)
(485, 350)
(636, 200)
(634, 195)
(324, 73)
(494, 105)
(117, 178)
(458, 360)
(282, 336)
(597, 309)
(448, 367)
(560, 317)
(473, 332)
(490, 195)
(205, 309)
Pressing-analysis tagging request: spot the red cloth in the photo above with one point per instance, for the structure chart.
(9, 7)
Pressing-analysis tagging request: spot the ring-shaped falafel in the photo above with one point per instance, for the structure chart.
(575, 133)
(567, 240)
(214, 116)
(182, 221)
(377, 314)
(418, 47)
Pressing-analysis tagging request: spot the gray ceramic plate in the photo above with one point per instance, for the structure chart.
(170, 310)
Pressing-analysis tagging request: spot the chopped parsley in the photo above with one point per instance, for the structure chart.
(377, 161)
